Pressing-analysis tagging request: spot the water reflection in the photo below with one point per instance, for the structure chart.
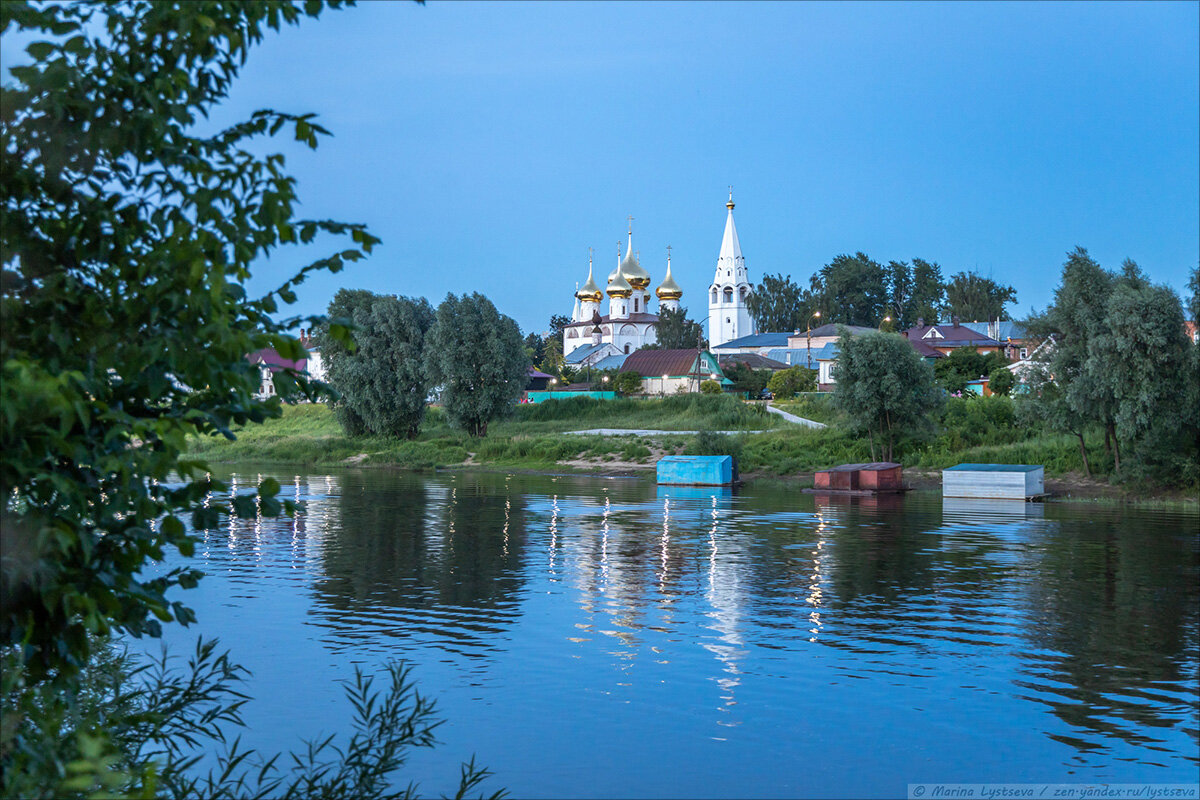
(1078, 622)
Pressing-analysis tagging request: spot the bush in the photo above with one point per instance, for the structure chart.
(712, 443)
(710, 387)
(787, 382)
(628, 383)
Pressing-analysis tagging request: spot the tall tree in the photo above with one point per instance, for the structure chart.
(557, 323)
(535, 347)
(777, 304)
(928, 300)
(383, 382)
(1066, 392)
(1142, 360)
(885, 388)
(974, 297)
(901, 286)
(851, 290)
(475, 354)
(1193, 303)
(676, 332)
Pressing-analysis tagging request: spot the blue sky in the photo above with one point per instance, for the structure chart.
(490, 144)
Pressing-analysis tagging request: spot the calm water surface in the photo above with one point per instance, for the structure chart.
(609, 638)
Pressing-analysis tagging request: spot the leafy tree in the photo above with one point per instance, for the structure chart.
(1066, 391)
(126, 241)
(1142, 361)
(710, 387)
(382, 381)
(928, 297)
(1001, 381)
(1193, 305)
(851, 290)
(745, 379)
(628, 383)
(884, 387)
(535, 348)
(778, 304)
(965, 364)
(974, 297)
(676, 332)
(901, 285)
(787, 382)
(557, 323)
(475, 354)
(552, 356)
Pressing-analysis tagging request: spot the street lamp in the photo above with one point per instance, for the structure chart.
(664, 386)
(808, 337)
(887, 318)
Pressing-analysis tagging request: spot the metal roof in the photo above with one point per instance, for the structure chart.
(756, 340)
(652, 363)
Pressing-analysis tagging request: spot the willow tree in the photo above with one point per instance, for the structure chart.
(885, 388)
(476, 358)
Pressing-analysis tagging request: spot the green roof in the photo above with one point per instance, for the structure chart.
(994, 467)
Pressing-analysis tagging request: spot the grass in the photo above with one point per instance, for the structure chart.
(966, 430)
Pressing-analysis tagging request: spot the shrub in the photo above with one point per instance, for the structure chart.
(710, 387)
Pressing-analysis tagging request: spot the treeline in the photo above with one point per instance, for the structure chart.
(1115, 362)
(856, 290)
(465, 352)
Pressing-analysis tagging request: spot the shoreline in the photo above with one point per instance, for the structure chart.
(1070, 488)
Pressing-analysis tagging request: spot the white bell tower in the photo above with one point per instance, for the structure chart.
(728, 316)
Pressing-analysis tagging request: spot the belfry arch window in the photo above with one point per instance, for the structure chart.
(742, 292)
(714, 295)
(728, 294)
(627, 349)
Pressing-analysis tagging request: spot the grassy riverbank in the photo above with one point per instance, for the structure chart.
(535, 438)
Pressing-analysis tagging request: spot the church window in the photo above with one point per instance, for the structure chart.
(626, 349)
(635, 304)
(572, 334)
(742, 292)
(727, 320)
(728, 294)
(714, 295)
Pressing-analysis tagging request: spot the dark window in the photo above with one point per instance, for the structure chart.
(626, 349)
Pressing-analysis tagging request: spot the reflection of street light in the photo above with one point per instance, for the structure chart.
(808, 336)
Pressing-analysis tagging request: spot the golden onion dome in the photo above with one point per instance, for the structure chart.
(669, 289)
(618, 286)
(638, 278)
(590, 291)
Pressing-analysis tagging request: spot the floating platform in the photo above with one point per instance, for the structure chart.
(995, 481)
(876, 477)
(697, 471)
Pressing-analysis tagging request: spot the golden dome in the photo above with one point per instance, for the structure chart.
(618, 286)
(669, 289)
(590, 291)
(638, 278)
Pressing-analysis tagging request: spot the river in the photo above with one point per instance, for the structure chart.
(604, 637)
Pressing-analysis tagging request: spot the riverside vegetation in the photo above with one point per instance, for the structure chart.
(535, 437)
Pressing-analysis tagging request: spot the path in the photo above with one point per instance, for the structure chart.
(629, 432)
(808, 423)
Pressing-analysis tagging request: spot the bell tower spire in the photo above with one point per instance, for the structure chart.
(728, 316)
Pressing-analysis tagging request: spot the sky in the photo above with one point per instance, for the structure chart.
(490, 145)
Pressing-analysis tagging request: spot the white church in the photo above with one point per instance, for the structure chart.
(629, 324)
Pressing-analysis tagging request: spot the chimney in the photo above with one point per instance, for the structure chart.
(955, 321)
(920, 322)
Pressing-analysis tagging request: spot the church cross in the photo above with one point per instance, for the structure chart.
(630, 218)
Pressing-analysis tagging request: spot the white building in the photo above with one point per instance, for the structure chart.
(629, 324)
(728, 317)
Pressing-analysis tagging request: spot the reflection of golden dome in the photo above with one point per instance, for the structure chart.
(638, 278)
(590, 291)
(618, 286)
(669, 289)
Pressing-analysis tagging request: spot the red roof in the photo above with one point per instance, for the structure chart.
(924, 350)
(951, 336)
(651, 363)
(276, 362)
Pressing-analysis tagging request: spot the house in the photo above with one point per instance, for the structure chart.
(752, 361)
(1012, 335)
(270, 362)
(825, 334)
(537, 381)
(590, 354)
(945, 338)
(670, 371)
(757, 343)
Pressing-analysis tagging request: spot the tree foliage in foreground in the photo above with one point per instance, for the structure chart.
(675, 331)
(476, 356)
(382, 381)
(126, 240)
(1119, 363)
(885, 388)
